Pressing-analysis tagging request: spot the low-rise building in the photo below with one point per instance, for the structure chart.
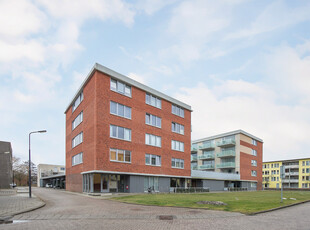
(233, 159)
(54, 174)
(297, 173)
(6, 172)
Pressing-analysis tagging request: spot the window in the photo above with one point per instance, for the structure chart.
(307, 170)
(152, 160)
(152, 140)
(77, 120)
(76, 159)
(153, 120)
(177, 163)
(177, 128)
(253, 173)
(303, 170)
(177, 145)
(151, 182)
(307, 163)
(77, 101)
(177, 111)
(254, 152)
(254, 142)
(120, 110)
(253, 185)
(119, 155)
(120, 87)
(77, 140)
(152, 100)
(253, 162)
(120, 133)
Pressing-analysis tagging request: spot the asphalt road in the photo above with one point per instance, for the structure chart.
(65, 210)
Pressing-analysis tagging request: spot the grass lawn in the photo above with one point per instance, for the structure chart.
(244, 202)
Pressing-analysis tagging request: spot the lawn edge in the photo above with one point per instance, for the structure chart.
(247, 214)
(274, 209)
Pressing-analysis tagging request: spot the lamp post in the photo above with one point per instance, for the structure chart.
(29, 170)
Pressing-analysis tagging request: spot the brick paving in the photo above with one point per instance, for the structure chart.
(65, 210)
(13, 202)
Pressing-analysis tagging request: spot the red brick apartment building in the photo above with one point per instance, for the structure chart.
(229, 160)
(123, 136)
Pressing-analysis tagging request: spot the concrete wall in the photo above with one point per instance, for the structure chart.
(6, 173)
(213, 185)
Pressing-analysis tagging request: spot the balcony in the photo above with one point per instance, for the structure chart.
(292, 173)
(226, 143)
(214, 175)
(207, 146)
(206, 167)
(194, 149)
(206, 156)
(291, 166)
(194, 167)
(227, 153)
(226, 165)
(290, 180)
(193, 158)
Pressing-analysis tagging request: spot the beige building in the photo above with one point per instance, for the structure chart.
(236, 152)
(47, 170)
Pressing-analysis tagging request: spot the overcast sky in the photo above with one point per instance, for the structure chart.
(240, 64)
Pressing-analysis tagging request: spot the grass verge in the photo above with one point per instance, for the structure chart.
(244, 202)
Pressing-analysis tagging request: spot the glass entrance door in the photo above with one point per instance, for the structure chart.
(104, 183)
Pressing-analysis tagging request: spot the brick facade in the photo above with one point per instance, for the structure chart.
(96, 133)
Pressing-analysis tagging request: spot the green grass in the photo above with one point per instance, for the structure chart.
(244, 202)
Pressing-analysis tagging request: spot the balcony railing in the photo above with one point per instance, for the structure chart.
(292, 173)
(226, 165)
(207, 146)
(194, 167)
(228, 142)
(194, 149)
(193, 158)
(206, 156)
(206, 167)
(290, 180)
(291, 166)
(227, 153)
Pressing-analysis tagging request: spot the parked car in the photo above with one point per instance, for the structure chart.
(49, 185)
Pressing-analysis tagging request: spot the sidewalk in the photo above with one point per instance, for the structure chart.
(16, 201)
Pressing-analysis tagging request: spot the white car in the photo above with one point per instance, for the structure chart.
(48, 185)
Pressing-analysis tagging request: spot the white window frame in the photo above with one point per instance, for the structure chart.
(148, 100)
(253, 162)
(118, 85)
(77, 159)
(149, 138)
(254, 142)
(124, 155)
(177, 110)
(177, 145)
(175, 161)
(254, 152)
(157, 160)
(176, 126)
(77, 101)
(77, 121)
(117, 132)
(150, 118)
(118, 105)
(254, 173)
(78, 139)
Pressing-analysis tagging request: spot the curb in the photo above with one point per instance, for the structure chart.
(274, 209)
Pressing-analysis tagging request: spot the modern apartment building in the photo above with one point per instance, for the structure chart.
(297, 173)
(123, 136)
(6, 173)
(233, 159)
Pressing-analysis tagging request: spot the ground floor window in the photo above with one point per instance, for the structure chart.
(151, 183)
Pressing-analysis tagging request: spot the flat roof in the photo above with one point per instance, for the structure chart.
(54, 176)
(129, 81)
(298, 159)
(240, 131)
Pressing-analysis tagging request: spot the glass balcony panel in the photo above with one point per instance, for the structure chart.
(226, 153)
(228, 142)
(226, 165)
(206, 166)
(206, 156)
(207, 146)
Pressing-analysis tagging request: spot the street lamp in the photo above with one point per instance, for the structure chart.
(29, 170)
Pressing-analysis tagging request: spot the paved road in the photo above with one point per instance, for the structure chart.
(70, 211)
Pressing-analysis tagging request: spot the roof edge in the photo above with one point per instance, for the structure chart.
(114, 74)
(239, 131)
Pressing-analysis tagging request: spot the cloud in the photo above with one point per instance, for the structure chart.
(152, 6)
(276, 15)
